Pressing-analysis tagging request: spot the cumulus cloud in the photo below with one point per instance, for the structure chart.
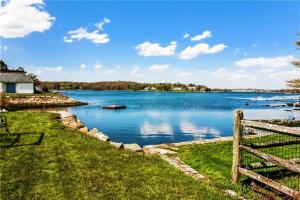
(159, 67)
(280, 61)
(83, 33)
(94, 36)
(41, 70)
(183, 74)
(82, 66)
(186, 35)
(101, 24)
(202, 48)
(98, 65)
(154, 49)
(205, 34)
(19, 18)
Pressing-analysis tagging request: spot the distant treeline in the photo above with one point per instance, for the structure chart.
(121, 85)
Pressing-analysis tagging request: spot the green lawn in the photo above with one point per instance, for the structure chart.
(214, 160)
(43, 160)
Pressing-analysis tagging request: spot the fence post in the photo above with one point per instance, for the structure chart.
(236, 156)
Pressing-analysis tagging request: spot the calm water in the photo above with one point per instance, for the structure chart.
(154, 117)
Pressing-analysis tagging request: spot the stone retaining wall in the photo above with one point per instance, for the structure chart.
(71, 121)
(35, 101)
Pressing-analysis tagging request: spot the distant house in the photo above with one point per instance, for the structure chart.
(192, 88)
(16, 82)
(177, 88)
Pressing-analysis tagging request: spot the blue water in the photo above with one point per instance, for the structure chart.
(165, 117)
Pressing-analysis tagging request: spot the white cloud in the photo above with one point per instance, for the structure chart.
(280, 61)
(135, 72)
(98, 65)
(231, 75)
(186, 35)
(159, 67)
(68, 40)
(109, 72)
(3, 47)
(101, 24)
(264, 70)
(154, 49)
(82, 66)
(202, 48)
(41, 70)
(19, 18)
(82, 33)
(183, 74)
(284, 75)
(205, 34)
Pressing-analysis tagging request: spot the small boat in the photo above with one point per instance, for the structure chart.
(114, 107)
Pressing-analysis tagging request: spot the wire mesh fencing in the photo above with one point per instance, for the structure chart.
(267, 153)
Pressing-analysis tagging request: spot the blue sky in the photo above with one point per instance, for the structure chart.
(227, 44)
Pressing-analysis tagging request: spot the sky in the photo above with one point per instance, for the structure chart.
(221, 44)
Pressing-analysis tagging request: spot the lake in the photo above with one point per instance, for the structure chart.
(167, 117)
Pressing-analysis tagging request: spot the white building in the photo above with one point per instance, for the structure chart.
(177, 88)
(16, 82)
(192, 88)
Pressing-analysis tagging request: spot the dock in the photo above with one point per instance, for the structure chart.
(114, 107)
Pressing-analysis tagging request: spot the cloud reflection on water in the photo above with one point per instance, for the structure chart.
(190, 128)
(152, 130)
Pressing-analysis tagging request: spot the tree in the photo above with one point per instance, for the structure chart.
(295, 83)
(36, 81)
(3, 66)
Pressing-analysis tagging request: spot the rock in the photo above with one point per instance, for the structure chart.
(101, 136)
(73, 125)
(117, 145)
(297, 104)
(84, 130)
(80, 125)
(133, 147)
(160, 151)
(231, 193)
(68, 119)
(94, 130)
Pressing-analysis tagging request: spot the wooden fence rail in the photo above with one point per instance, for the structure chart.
(238, 147)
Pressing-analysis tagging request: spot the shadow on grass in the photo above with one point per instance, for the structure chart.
(275, 175)
(13, 140)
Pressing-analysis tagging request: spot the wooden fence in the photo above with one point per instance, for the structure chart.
(270, 136)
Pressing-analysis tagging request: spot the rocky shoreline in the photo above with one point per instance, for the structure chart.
(72, 122)
(39, 101)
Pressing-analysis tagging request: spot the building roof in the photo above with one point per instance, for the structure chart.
(15, 77)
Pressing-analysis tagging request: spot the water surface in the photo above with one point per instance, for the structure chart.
(165, 117)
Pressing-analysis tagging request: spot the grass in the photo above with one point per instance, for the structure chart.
(43, 160)
(214, 160)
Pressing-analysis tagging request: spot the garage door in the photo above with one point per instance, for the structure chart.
(10, 87)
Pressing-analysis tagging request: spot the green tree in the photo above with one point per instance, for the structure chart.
(3, 66)
(295, 83)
